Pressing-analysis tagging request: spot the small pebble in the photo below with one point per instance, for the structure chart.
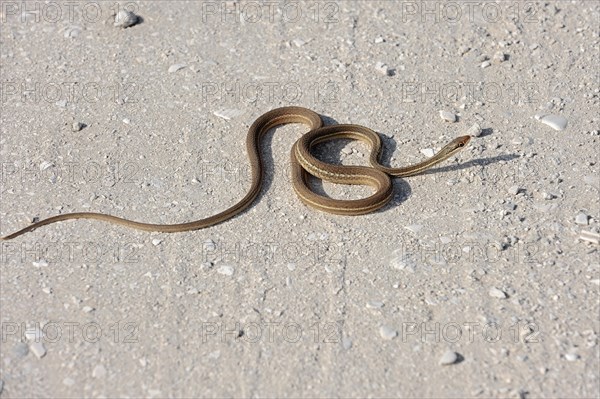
(383, 69)
(571, 357)
(514, 190)
(428, 152)
(485, 64)
(387, 332)
(176, 67)
(448, 358)
(475, 130)
(298, 42)
(40, 263)
(77, 126)
(99, 371)
(415, 228)
(497, 293)
(556, 122)
(346, 343)
(156, 241)
(87, 309)
(590, 236)
(374, 305)
(45, 165)
(499, 57)
(225, 270)
(209, 245)
(379, 39)
(448, 116)
(228, 114)
(38, 349)
(125, 19)
(581, 218)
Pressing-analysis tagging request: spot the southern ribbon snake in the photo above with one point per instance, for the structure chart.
(303, 163)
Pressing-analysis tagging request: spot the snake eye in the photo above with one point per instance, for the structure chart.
(461, 144)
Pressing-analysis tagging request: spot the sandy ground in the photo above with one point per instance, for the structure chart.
(478, 263)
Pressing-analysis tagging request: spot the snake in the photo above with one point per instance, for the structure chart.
(303, 164)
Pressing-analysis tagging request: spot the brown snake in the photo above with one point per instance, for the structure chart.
(303, 163)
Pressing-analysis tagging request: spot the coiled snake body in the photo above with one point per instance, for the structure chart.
(302, 164)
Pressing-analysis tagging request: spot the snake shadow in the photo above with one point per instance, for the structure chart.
(331, 151)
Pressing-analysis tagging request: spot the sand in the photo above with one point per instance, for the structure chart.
(473, 282)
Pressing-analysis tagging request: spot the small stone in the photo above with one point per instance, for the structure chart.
(87, 309)
(571, 357)
(291, 266)
(156, 241)
(497, 293)
(514, 190)
(590, 236)
(387, 332)
(99, 371)
(125, 19)
(556, 122)
(499, 57)
(298, 42)
(485, 64)
(581, 218)
(475, 130)
(40, 263)
(448, 116)
(209, 246)
(225, 270)
(77, 126)
(379, 39)
(383, 69)
(45, 165)
(126, 121)
(428, 152)
(38, 349)
(415, 228)
(448, 358)
(346, 343)
(228, 113)
(374, 305)
(176, 67)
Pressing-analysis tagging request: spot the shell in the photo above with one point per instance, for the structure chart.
(125, 19)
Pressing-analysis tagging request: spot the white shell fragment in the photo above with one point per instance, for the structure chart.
(448, 116)
(387, 332)
(125, 19)
(176, 67)
(590, 236)
(38, 349)
(581, 218)
(497, 293)
(556, 122)
(383, 69)
(448, 358)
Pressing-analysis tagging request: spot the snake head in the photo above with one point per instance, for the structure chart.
(454, 146)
